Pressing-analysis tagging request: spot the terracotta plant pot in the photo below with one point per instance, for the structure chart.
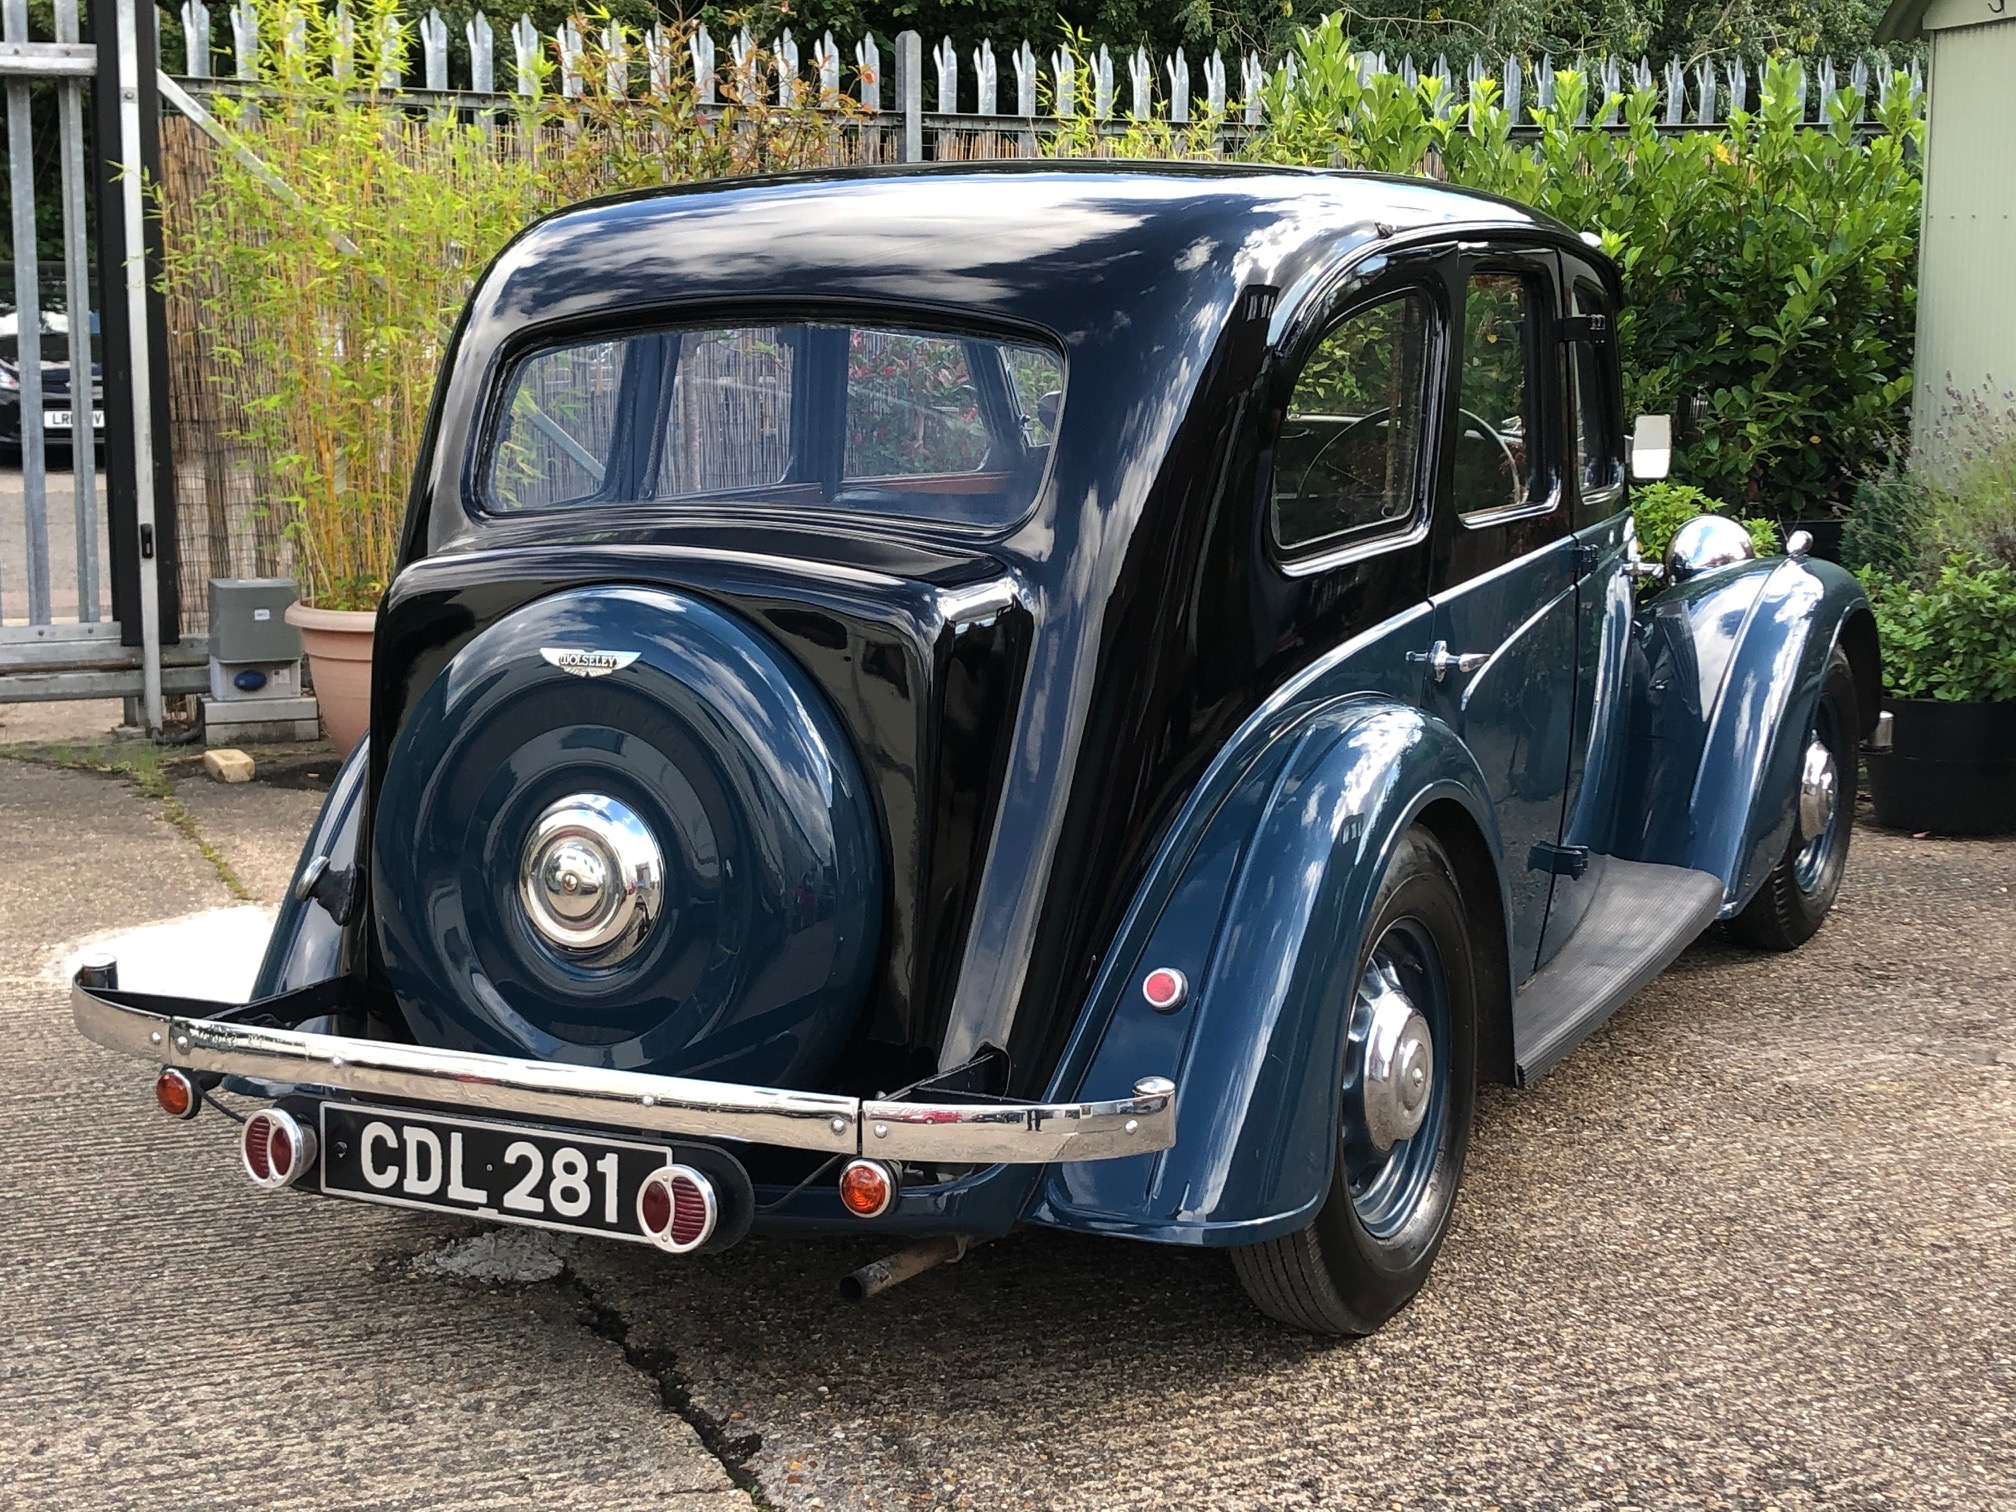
(338, 643)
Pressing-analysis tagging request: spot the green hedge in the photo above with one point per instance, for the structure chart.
(1769, 267)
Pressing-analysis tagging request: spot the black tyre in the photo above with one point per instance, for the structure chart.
(1795, 898)
(1401, 1137)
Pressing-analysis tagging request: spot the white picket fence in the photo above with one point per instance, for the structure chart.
(1691, 97)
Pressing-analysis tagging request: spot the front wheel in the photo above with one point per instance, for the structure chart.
(1795, 898)
(1409, 1090)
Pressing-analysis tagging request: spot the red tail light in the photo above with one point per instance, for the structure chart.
(677, 1209)
(275, 1149)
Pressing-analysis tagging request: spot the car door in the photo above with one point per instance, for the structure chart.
(1594, 464)
(1502, 669)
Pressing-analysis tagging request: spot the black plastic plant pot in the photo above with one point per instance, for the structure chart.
(1951, 768)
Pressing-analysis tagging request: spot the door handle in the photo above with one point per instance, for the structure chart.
(1441, 661)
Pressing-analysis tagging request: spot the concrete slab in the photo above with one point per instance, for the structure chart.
(175, 1339)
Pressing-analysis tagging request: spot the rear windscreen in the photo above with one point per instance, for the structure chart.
(868, 419)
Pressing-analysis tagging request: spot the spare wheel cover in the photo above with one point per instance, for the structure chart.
(713, 754)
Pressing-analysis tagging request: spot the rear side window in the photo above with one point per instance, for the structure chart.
(1498, 420)
(1348, 461)
(865, 419)
(1598, 457)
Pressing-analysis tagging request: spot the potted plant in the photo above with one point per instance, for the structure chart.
(1936, 548)
(1949, 683)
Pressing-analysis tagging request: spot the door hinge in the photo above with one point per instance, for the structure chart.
(1584, 327)
(1586, 558)
(1558, 860)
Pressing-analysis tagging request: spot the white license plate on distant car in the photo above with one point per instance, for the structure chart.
(61, 419)
(507, 1172)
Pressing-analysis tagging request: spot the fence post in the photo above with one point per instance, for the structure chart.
(868, 65)
(196, 39)
(1065, 70)
(482, 54)
(139, 471)
(525, 48)
(947, 58)
(28, 328)
(245, 39)
(434, 50)
(826, 58)
(701, 46)
(1025, 82)
(1251, 74)
(1179, 89)
(987, 79)
(1141, 75)
(1102, 85)
(910, 93)
(77, 299)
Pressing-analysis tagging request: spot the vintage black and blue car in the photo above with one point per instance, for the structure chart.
(928, 701)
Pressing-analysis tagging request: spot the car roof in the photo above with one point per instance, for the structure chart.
(1023, 241)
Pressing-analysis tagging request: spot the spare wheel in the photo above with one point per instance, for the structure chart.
(622, 828)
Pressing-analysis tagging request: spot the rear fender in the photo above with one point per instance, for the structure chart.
(308, 945)
(1732, 673)
(1265, 923)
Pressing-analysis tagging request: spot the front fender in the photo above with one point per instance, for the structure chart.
(307, 944)
(1265, 922)
(1732, 672)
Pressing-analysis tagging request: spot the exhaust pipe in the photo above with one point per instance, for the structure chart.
(872, 1280)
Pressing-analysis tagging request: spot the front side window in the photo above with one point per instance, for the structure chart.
(1347, 463)
(1497, 420)
(862, 419)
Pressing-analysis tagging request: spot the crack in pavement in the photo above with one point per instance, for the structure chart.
(658, 1365)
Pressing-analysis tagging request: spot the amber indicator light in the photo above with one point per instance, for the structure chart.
(867, 1188)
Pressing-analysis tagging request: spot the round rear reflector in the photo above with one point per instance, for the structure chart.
(677, 1209)
(275, 1149)
(177, 1094)
(1166, 989)
(867, 1187)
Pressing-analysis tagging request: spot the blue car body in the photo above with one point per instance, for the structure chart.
(1126, 732)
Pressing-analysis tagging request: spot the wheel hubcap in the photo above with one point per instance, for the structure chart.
(1395, 1104)
(1819, 801)
(1399, 1061)
(592, 879)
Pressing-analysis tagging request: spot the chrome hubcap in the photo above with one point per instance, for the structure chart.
(1819, 799)
(1399, 1060)
(592, 879)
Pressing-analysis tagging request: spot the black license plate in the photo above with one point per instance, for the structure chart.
(579, 1183)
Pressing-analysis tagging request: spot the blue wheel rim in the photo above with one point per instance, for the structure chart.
(1387, 1186)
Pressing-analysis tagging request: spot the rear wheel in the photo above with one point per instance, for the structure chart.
(1409, 1090)
(1795, 898)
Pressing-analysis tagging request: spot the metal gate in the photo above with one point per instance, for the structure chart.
(88, 590)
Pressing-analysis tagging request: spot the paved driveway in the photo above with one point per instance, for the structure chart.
(1751, 1246)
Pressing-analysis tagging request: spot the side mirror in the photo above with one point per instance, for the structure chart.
(1652, 448)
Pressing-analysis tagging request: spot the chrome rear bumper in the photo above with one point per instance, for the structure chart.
(962, 1133)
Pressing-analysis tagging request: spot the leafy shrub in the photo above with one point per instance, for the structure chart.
(1658, 510)
(1769, 268)
(1952, 638)
(1887, 528)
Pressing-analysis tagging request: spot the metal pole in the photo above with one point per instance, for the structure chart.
(77, 295)
(134, 261)
(28, 326)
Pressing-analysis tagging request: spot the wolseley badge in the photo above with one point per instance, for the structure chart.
(587, 663)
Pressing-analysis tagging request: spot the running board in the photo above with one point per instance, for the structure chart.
(1641, 918)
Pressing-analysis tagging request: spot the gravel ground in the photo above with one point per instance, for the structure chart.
(1749, 1247)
